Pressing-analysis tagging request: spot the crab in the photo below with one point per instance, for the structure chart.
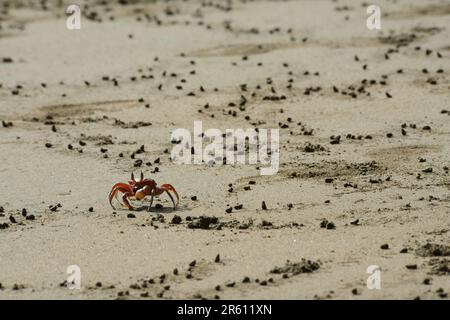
(139, 189)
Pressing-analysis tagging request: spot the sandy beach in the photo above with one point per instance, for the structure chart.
(364, 154)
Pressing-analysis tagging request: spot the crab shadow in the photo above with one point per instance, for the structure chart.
(160, 209)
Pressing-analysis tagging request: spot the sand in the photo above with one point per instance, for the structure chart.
(363, 164)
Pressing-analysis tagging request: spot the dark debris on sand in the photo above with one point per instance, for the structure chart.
(295, 268)
(433, 250)
(439, 267)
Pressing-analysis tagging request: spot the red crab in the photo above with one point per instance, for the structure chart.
(140, 189)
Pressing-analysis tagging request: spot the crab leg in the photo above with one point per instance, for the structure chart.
(125, 197)
(151, 201)
(119, 187)
(167, 188)
(120, 184)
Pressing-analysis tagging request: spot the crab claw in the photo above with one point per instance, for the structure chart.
(141, 193)
(132, 176)
(142, 176)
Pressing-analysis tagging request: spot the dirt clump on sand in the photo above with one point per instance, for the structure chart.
(295, 268)
(433, 250)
